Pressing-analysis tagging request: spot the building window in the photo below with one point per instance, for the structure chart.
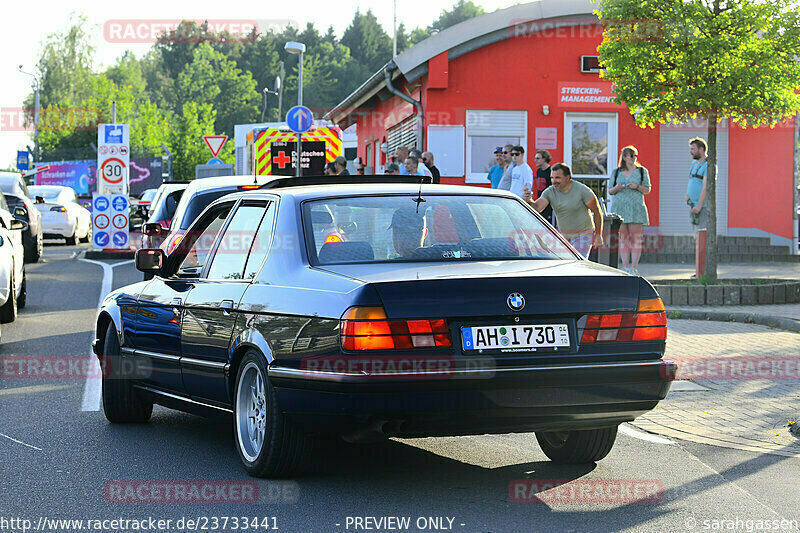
(487, 129)
(403, 134)
(590, 147)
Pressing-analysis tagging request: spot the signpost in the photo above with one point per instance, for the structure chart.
(113, 158)
(110, 203)
(215, 143)
(300, 118)
(23, 160)
(284, 158)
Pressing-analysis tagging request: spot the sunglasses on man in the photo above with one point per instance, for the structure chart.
(515, 154)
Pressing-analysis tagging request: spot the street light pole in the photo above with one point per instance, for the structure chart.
(35, 87)
(298, 48)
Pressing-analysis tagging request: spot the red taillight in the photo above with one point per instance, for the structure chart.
(248, 187)
(649, 323)
(368, 328)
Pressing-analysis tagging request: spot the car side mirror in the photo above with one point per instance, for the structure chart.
(40, 199)
(149, 259)
(19, 225)
(153, 229)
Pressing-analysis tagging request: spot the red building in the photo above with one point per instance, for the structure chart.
(528, 75)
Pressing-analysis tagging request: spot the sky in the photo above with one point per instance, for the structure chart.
(28, 25)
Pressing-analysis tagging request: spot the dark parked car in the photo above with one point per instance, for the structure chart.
(368, 310)
(23, 208)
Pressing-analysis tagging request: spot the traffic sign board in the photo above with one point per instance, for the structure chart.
(215, 143)
(120, 221)
(299, 119)
(113, 170)
(101, 221)
(100, 203)
(121, 239)
(101, 239)
(120, 203)
(23, 160)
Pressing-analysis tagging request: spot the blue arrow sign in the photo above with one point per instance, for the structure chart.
(101, 239)
(120, 239)
(299, 119)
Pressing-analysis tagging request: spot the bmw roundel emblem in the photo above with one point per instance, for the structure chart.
(516, 301)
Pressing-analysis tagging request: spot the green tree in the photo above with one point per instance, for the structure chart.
(461, 11)
(212, 79)
(672, 60)
(186, 138)
(369, 44)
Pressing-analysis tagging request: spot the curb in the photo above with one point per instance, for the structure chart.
(779, 322)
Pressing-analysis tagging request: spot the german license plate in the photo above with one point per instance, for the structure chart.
(515, 338)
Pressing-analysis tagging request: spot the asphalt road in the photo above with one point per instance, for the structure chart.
(60, 462)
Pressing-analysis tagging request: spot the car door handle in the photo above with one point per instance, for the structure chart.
(176, 301)
(226, 305)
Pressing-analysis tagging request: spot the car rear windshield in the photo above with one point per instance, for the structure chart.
(441, 228)
(46, 193)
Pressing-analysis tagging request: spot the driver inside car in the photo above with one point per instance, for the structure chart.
(408, 232)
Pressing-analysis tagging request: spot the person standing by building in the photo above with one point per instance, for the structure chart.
(521, 174)
(496, 172)
(427, 160)
(629, 182)
(505, 180)
(411, 166)
(576, 208)
(421, 166)
(698, 180)
(341, 166)
(542, 179)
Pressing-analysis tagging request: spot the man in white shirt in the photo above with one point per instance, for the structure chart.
(521, 174)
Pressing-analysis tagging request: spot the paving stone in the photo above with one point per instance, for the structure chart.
(765, 294)
(680, 295)
(779, 293)
(714, 295)
(731, 294)
(749, 295)
(697, 295)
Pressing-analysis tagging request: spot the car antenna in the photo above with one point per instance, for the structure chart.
(419, 199)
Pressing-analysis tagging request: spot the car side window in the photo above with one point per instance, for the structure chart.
(260, 244)
(201, 239)
(231, 255)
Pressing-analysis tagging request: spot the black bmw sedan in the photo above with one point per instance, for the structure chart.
(370, 310)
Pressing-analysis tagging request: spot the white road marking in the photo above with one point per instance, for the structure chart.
(636, 434)
(128, 262)
(92, 391)
(19, 441)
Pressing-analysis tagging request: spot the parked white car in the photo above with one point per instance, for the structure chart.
(62, 216)
(13, 286)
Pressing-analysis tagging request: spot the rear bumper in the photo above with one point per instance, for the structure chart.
(542, 398)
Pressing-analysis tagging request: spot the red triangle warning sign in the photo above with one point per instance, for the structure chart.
(215, 143)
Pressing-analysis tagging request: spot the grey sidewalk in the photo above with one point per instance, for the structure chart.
(784, 316)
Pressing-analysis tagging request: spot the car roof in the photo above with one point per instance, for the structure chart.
(309, 192)
(202, 184)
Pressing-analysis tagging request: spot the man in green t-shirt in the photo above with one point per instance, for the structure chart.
(575, 207)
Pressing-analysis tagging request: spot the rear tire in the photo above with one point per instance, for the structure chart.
(88, 236)
(121, 404)
(22, 299)
(8, 312)
(577, 447)
(33, 247)
(267, 444)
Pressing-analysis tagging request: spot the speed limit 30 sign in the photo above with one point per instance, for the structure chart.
(113, 171)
